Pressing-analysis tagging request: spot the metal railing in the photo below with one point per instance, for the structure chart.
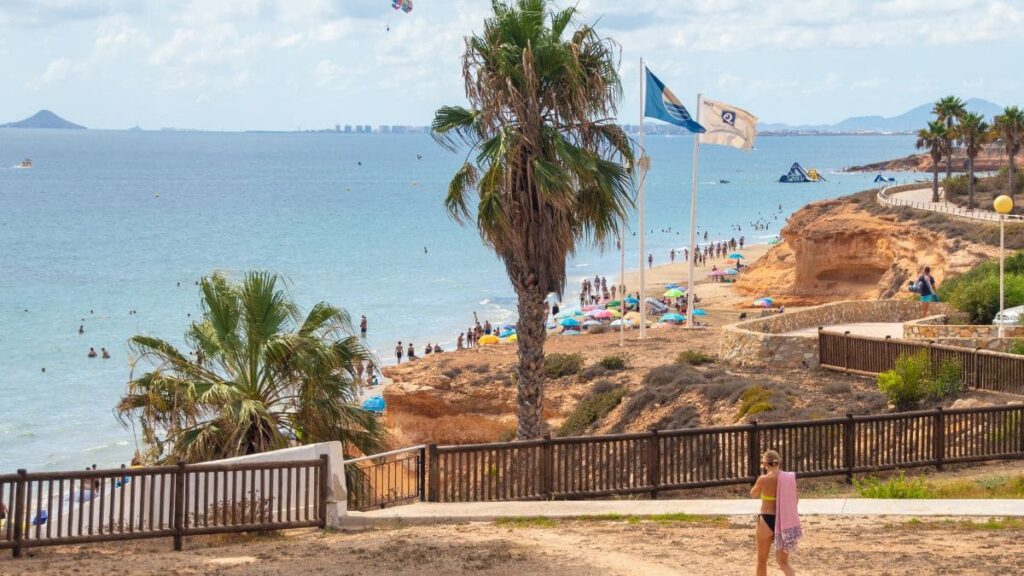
(885, 197)
(381, 480)
(56, 508)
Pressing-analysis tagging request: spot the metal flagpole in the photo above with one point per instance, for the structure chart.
(691, 280)
(643, 172)
(622, 274)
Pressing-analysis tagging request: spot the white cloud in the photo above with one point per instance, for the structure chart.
(326, 73)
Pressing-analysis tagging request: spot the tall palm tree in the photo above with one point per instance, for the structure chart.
(544, 159)
(262, 375)
(1009, 128)
(973, 133)
(933, 138)
(949, 111)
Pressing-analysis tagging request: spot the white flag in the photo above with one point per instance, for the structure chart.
(727, 125)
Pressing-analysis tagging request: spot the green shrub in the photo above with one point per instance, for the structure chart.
(559, 365)
(754, 400)
(955, 186)
(945, 381)
(591, 409)
(907, 383)
(613, 362)
(899, 487)
(1018, 345)
(694, 358)
(976, 291)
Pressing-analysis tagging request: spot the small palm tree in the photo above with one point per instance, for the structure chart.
(545, 160)
(262, 375)
(973, 133)
(949, 111)
(1008, 127)
(933, 139)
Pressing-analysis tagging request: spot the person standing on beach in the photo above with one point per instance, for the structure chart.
(672, 255)
(777, 492)
(650, 261)
(487, 327)
(398, 352)
(362, 326)
(410, 353)
(458, 341)
(926, 287)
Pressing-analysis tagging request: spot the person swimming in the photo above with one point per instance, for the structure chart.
(92, 353)
(106, 355)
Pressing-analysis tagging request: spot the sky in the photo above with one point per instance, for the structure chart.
(289, 64)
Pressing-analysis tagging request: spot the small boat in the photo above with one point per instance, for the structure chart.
(723, 181)
(26, 163)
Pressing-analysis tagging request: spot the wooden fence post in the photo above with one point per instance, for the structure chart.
(547, 477)
(846, 351)
(325, 485)
(435, 475)
(421, 474)
(653, 462)
(18, 512)
(974, 368)
(753, 452)
(178, 510)
(849, 449)
(939, 438)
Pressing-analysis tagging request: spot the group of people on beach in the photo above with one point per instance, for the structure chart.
(597, 291)
(409, 353)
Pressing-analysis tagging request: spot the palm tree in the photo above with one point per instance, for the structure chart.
(949, 111)
(262, 375)
(1009, 128)
(933, 138)
(973, 133)
(548, 165)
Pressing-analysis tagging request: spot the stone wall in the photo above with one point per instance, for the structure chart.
(942, 330)
(761, 341)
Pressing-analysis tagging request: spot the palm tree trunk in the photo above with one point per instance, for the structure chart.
(949, 160)
(970, 180)
(530, 370)
(935, 180)
(1012, 169)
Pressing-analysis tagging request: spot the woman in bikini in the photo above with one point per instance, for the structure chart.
(765, 489)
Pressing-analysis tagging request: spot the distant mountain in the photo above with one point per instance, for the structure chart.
(44, 119)
(910, 121)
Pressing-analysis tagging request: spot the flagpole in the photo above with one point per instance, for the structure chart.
(622, 297)
(691, 279)
(643, 173)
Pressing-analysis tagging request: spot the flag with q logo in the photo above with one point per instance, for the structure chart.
(727, 125)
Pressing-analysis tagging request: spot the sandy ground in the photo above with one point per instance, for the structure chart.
(861, 546)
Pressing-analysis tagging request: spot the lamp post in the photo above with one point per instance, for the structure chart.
(1003, 205)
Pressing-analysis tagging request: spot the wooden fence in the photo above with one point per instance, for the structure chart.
(657, 461)
(979, 369)
(396, 477)
(55, 508)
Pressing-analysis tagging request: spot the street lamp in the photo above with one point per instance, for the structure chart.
(1003, 205)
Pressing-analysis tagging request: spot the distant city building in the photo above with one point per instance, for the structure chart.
(337, 127)
(384, 129)
(348, 128)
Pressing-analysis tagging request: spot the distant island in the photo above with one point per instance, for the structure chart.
(44, 119)
(907, 123)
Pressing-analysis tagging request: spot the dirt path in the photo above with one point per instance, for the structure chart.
(855, 546)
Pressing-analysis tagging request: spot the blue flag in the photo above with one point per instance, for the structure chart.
(662, 104)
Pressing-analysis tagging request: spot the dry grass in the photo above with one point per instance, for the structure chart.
(452, 429)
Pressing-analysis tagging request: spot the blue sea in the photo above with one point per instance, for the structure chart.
(112, 221)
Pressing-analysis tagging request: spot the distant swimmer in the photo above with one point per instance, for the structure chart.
(360, 163)
(424, 249)
(92, 353)
(106, 355)
(81, 329)
(419, 156)
(44, 369)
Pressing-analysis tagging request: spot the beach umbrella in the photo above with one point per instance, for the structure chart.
(699, 312)
(571, 333)
(593, 313)
(671, 286)
(505, 327)
(605, 314)
(672, 317)
(631, 301)
(507, 333)
(375, 404)
(717, 273)
(590, 307)
(567, 322)
(568, 313)
(773, 241)
(613, 304)
(590, 323)
(513, 338)
(674, 293)
(765, 301)
(632, 316)
(736, 256)
(732, 271)
(618, 323)
(488, 340)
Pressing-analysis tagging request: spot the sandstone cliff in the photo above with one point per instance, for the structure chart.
(835, 250)
(992, 158)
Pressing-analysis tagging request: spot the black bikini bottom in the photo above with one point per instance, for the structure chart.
(769, 519)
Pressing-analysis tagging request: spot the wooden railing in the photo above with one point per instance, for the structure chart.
(658, 461)
(55, 508)
(979, 369)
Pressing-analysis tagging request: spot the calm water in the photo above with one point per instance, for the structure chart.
(107, 222)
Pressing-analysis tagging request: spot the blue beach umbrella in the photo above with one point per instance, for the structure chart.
(375, 404)
(699, 312)
(589, 323)
(672, 317)
(732, 271)
(568, 313)
(736, 256)
(571, 333)
(570, 322)
(671, 286)
(622, 322)
(507, 333)
(631, 301)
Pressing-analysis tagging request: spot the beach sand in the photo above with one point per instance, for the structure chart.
(831, 545)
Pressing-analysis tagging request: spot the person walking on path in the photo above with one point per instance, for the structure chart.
(778, 519)
(926, 287)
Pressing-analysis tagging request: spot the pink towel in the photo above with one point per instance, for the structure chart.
(787, 518)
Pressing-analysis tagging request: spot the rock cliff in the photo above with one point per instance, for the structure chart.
(992, 158)
(835, 250)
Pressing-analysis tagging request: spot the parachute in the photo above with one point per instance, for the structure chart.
(403, 5)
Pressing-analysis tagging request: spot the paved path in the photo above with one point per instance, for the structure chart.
(921, 199)
(439, 513)
(876, 329)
